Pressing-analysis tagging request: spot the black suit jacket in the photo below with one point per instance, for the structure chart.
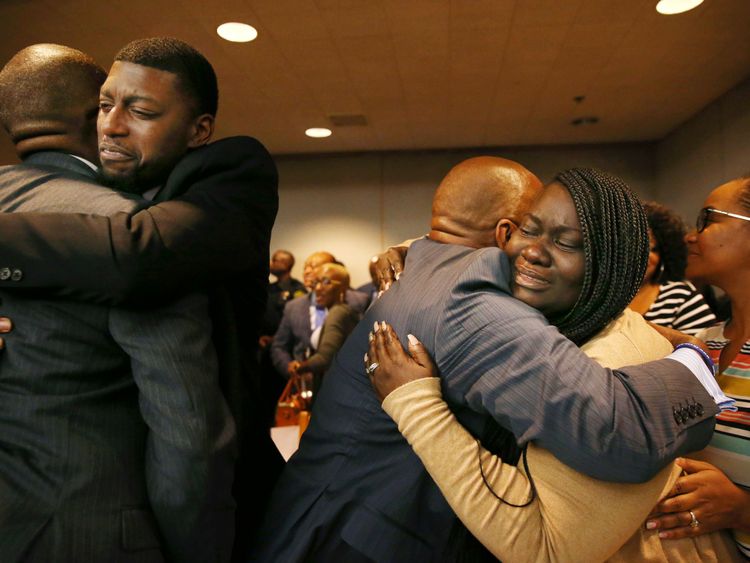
(213, 232)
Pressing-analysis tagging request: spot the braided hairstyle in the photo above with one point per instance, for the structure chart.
(615, 245)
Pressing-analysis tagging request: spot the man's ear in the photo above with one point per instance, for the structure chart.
(503, 230)
(203, 129)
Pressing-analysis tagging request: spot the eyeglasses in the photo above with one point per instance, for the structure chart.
(702, 221)
(326, 282)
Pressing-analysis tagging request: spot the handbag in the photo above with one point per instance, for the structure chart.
(292, 402)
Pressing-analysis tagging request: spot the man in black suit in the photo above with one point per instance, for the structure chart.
(157, 109)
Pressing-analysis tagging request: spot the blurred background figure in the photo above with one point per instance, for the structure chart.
(666, 298)
(371, 288)
(303, 315)
(282, 290)
(338, 320)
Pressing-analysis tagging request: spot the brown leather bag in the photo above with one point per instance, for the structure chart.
(291, 403)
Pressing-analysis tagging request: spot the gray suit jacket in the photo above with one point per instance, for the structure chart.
(292, 338)
(115, 441)
(356, 491)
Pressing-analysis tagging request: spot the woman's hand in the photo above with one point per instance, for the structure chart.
(707, 492)
(676, 337)
(389, 265)
(389, 366)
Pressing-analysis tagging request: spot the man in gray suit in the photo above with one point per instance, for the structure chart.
(116, 442)
(355, 491)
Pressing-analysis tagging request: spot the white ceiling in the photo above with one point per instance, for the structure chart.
(427, 73)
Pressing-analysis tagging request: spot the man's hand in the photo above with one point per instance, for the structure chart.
(389, 265)
(715, 502)
(6, 325)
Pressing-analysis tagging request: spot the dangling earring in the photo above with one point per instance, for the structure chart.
(660, 272)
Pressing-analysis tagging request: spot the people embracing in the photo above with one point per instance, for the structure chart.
(563, 255)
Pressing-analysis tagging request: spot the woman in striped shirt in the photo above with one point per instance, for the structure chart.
(715, 492)
(665, 297)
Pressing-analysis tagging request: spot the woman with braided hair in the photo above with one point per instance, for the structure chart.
(578, 256)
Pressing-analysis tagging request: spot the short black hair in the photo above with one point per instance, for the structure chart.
(195, 73)
(615, 245)
(669, 231)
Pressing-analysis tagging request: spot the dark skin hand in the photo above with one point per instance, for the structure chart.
(389, 266)
(676, 337)
(716, 502)
(394, 366)
(5, 326)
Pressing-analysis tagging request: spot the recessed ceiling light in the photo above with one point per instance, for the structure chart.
(318, 132)
(237, 32)
(670, 7)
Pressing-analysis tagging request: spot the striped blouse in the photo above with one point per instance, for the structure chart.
(680, 306)
(729, 449)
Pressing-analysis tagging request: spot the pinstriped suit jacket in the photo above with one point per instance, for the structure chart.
(112, 426)
(355, 491)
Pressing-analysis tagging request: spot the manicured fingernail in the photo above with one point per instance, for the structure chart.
(387, 286)
(383, 325)
(4, 324)
(412, 340)
(370, 337)
(380, 293)
(397, 275)
(2, 343)
(663, 535)
(366, 358)
(375, 326)
(650, 525)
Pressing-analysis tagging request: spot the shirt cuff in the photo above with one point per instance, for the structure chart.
(695, 363)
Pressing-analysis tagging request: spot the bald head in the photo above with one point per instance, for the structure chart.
(478, 193)
(49, 98)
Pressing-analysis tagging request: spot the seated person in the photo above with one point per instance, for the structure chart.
(666, 298)
(564, 264)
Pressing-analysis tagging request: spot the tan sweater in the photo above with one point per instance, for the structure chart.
(574, 518)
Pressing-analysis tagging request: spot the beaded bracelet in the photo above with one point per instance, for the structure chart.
(706, 358)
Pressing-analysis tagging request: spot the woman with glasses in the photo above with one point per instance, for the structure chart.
(716, 488)
(666, 298)
(337, 320)
(568, 259)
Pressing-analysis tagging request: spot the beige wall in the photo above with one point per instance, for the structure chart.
(706, 151)
(356, 205)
